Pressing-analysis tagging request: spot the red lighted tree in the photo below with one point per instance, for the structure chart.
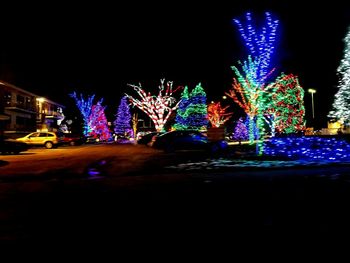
(217, 114)
(98, 122)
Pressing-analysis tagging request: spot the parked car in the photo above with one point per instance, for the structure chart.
(92, 139)
(47, 139)
(147, 138)
(180, 140)
(12, 146)
(72, 139)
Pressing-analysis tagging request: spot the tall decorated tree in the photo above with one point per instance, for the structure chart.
(98, 122)
(85, 106)
(196, 112)
(181, 118)
(341, 105)
(122, 124)
(158, 108)
(260, 43)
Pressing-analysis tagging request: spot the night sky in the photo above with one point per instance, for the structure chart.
(98, 49)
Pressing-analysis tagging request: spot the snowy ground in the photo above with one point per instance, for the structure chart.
(222, 163)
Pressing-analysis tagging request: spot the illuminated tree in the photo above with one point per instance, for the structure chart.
(158, 108)
(98, 122)
(217, 115)
(196, 112)
(256, 70)
(181, 118)
(341, 105)
(122, 124)
(247, 92)
(85, 106)
(260, 43)
(241, 132)
(285, 110)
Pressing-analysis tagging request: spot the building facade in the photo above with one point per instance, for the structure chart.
(22, 111)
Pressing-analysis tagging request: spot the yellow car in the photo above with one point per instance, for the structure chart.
(47, 139)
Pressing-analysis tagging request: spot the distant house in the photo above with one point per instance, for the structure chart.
(22, 111)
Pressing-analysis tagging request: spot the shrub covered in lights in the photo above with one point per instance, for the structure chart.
(314, 148)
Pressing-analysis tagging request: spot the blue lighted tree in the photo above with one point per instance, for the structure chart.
(260, 43)
(197, 112)
(241, 131)
(122, 123)
(181, 119)
(85, 106)
(257, 69)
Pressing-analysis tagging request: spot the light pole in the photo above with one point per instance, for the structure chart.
(312, 91)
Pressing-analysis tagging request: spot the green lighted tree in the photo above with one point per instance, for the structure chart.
(341, 105)
(196, 112)
(284, 107)
(181, 118)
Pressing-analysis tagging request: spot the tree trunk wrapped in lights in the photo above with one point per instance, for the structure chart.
(158, 108)
(135, 121)
(260, 44)
(247, 91)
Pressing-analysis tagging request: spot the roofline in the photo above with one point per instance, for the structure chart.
(28, 92)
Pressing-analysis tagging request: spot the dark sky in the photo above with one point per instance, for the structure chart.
(98, 48)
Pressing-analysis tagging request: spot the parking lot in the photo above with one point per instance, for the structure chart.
(76, 159)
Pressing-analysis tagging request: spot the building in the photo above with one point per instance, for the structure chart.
(22, 111)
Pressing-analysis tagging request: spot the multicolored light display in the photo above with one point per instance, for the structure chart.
(98, 122)
(285, 108)
(158, 108)
(181, 117)
(193, 113)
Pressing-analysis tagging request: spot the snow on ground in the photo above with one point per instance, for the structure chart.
(220, 163)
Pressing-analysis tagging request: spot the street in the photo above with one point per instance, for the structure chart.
(77, 159)
(52, 196)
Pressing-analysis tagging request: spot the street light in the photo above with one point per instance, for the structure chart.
(312, 91)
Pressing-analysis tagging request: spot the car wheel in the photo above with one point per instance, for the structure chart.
(48, 145)
(71, 143)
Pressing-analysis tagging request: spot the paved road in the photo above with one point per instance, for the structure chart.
(115, 158)
(137, 201)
